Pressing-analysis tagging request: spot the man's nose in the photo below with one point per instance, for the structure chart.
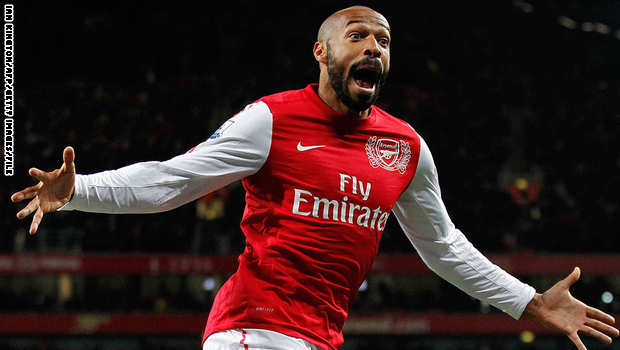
(372, 48)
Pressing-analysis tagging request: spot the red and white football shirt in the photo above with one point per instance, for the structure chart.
(319, 189)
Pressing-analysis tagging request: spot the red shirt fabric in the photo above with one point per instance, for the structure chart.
(314, 216)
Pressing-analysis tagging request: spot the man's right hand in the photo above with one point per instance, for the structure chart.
(52, 192)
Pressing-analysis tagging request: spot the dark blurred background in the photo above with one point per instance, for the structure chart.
(519, 102)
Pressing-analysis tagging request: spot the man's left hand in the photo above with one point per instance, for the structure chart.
(558, 310)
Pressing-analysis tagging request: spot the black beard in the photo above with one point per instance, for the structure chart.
(338, 83)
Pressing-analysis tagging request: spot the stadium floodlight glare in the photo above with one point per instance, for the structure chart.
(567, 22)
(524, 6)
(607, 297)
(601, 28)
(527, 337)
(208, 284)
(587, 26)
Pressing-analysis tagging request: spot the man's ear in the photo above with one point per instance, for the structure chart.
(320, 52)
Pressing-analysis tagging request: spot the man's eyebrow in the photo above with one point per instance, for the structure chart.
(365, 22)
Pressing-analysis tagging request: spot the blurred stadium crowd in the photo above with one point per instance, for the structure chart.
(521, 113)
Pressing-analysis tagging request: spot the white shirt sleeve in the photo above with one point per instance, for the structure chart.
(445, 250)
(239, 148)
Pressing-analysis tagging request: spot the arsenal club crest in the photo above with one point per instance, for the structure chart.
(389, 154)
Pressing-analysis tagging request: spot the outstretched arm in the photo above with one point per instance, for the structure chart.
(238, 149)
(424, 219)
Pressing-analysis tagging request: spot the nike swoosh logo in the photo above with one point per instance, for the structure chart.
(301, 148)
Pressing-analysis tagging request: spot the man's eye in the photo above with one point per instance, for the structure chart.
(355, 36)
(384, 41)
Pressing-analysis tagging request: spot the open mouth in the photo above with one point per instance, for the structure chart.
(366, 77)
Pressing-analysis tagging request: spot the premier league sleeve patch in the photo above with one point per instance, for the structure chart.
(221, 129)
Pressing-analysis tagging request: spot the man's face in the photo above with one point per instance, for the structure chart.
(358, 55)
